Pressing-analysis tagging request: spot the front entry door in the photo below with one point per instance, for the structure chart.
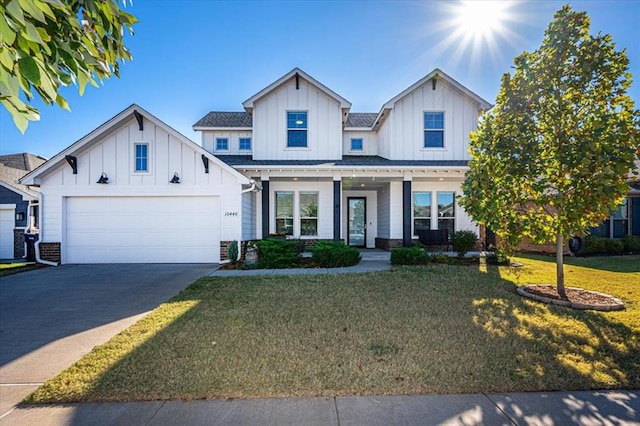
(357, 222)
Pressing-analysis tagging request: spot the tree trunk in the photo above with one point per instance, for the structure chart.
(560, 267)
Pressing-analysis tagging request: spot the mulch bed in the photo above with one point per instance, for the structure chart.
(577, 298)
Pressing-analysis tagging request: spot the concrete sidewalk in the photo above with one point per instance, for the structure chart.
(556, 408)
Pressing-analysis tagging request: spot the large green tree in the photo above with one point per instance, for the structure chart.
(46, 44)
(553, 156)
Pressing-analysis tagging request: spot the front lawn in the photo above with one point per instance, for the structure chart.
(433, 329)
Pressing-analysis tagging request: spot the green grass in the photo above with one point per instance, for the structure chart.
(434, 329)
(17, 267)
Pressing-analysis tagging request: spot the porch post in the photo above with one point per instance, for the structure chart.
(337, 197)
(265, 208)
(406, 213)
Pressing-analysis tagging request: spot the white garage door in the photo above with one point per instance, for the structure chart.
(7, 216)
(142, 230)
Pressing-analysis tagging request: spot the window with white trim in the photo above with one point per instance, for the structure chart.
(296, 129)
(244, 144)
(308, 213)
(447, 211)
(222, 144)
(616, 226)
(141, 157)
(284, 213)
(434, 129)
(421, 211)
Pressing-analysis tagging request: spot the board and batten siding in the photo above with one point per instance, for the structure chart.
(249, 214)
(209, 142)
(113, 154)
(324, 133)
(404, 129)
(369, 142)
(384, 212)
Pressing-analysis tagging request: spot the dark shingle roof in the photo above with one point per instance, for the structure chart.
(225, 119)
(10, 176)
(347, 160)
(22, 161)
(361, 119)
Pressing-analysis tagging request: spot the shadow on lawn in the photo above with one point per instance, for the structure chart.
(603, 263)
(523, 345)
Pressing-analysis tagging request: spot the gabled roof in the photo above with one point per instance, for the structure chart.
(220, 119)
(248, 104)
(23, 161)
(126, 114)
(361, 119)
(9, 178)
(439, 74)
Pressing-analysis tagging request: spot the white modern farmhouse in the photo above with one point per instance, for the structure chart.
(296, 162)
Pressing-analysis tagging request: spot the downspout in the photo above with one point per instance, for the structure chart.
(37, 245)
(253, 187)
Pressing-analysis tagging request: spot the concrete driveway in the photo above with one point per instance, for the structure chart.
(49, 318)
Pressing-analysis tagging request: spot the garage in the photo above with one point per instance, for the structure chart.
(7, 222)
(175, 229)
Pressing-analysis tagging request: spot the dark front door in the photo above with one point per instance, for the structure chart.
(357, 222)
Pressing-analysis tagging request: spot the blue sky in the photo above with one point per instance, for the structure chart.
(192, 57)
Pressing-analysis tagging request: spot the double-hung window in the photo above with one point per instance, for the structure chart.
(447, 211)
(245, 144)
(142, 157)
(222, 144)
(308, 213)
(284, 213)
(421, 211)
(356, 144)
(297, 129)
(434, 129)
(616, 226)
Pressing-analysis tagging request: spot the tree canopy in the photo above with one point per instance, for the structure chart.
(553, 156)
(46, 44)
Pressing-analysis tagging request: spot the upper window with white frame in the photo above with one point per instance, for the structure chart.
(434, 130)
(297, 129)
(357, 144)
(244, 144)
(222, 144)
(141, 157)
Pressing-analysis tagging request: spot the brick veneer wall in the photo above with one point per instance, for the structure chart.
(18, 243)
(50, 252)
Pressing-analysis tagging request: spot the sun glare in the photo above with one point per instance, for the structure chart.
(480, 18)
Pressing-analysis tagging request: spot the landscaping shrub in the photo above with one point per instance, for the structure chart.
(414, 255)
(334, 254)
(277, 253)
(600, 245)
(463, 241)
(499, 257)
(232, 251)
(631, 243)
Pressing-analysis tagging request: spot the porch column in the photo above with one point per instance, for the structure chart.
(406, 213)
(265, 208)
(337, 197)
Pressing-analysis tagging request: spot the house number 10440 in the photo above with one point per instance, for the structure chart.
(231, 213)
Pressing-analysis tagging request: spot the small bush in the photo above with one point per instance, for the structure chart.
(463, 241)
(593, 245)
(414, 255)
(232, 251)
(335, 254)
(277, 253)
(631, 243)
(499, 257)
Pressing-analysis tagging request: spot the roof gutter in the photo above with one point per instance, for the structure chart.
(254, 186)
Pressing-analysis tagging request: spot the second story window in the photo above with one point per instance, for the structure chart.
(434, 129)
(222, 144)
(356, 144)
(296, 129)
(142, 157)
(245, 144)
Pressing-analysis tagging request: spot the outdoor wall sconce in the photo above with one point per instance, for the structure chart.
(103, 178)
(175, 178)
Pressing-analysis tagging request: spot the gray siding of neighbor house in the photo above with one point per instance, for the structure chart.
(9, 197)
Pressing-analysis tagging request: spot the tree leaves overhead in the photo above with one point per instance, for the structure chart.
(554, 155)
(46, 44)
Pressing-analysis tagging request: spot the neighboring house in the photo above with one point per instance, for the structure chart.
(18, 203)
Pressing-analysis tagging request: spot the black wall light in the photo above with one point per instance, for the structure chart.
(103, 178)
(175, 178)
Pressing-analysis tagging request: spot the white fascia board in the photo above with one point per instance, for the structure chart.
(248, 104)
(333, 167)
(358, 129)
